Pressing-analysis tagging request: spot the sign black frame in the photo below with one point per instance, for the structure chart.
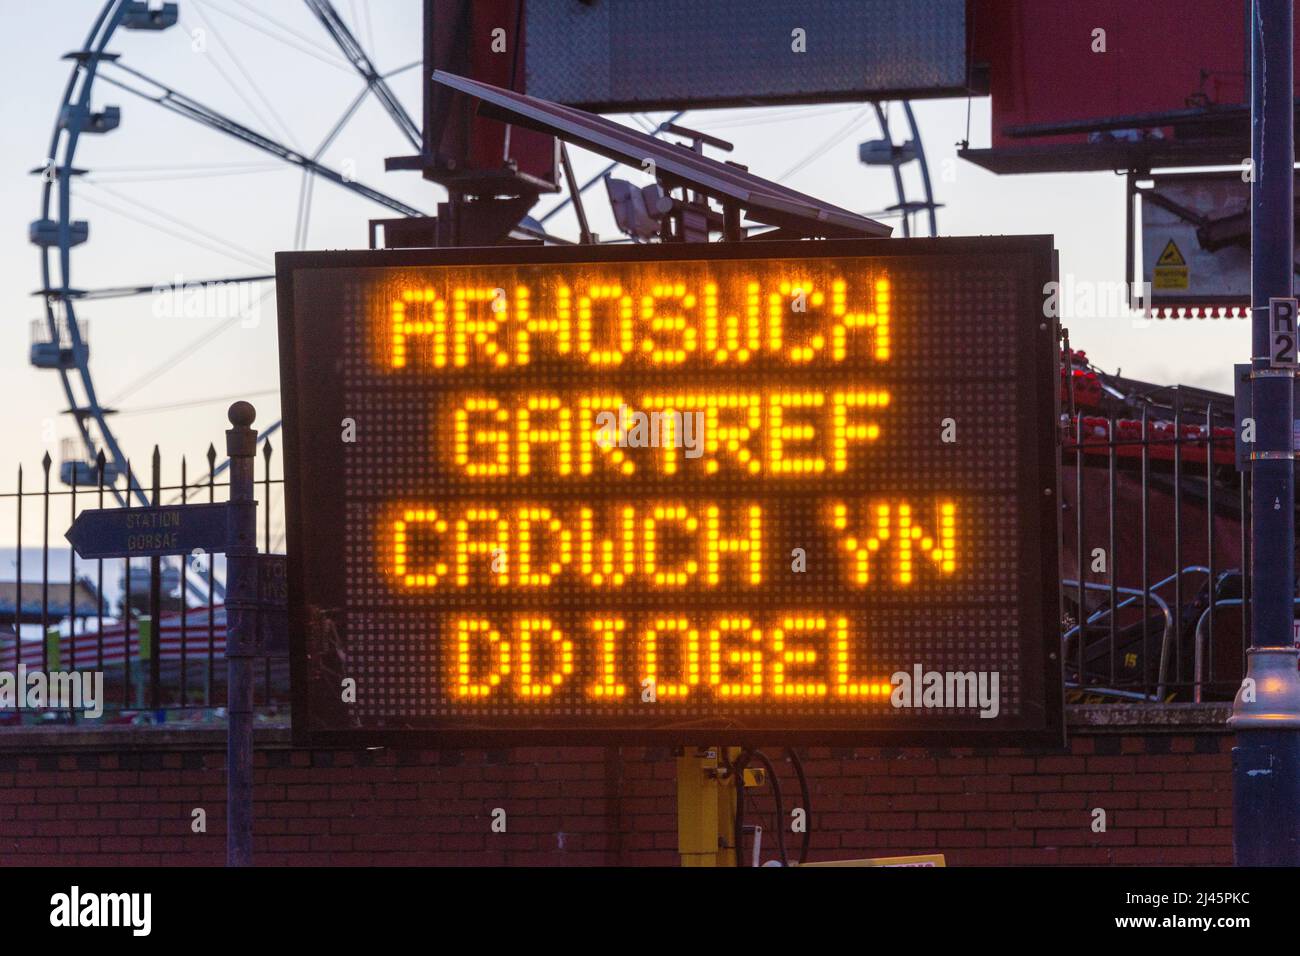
(1037, 410)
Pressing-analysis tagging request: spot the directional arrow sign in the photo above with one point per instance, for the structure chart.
(149, 532)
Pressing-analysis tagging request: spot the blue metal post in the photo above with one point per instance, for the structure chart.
(1266, 712)
(241, 634)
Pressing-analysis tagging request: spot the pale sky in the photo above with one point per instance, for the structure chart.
(225, 208)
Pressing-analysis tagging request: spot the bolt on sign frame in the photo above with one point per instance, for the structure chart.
(798, 492)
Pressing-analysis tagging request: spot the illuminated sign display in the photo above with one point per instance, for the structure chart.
(704, 493)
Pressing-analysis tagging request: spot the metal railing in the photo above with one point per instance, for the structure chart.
(1154, 545)
(1073, 632)
(161, 647)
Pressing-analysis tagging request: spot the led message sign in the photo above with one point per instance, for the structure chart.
(674, 493)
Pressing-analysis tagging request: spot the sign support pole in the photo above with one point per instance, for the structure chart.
(1266, 712)
(241, 634)
(706, 806)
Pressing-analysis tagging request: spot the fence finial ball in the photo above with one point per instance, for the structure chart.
(241, 414)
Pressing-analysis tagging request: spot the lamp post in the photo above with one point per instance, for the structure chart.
(1266, 712)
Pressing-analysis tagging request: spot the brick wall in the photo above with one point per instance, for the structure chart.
(85, 799)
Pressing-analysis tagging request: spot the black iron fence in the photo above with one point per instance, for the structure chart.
(155, 627)
(1155, 537)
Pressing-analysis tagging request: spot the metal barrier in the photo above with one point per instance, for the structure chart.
(1200, 639)
(1164, 643)
(1151, 492)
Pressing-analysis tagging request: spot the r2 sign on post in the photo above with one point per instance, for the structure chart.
(1282, 333)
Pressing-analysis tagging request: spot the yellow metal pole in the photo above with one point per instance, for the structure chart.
(705, 809)
(728, 854)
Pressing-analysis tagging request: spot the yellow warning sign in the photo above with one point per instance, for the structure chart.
(925, 859)
(1170, 271)
(1171, 256)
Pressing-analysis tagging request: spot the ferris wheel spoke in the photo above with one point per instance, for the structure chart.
(825, 146)
(356, 55)
(304, 43)
(125, 291)
(179, 356)
(343, 121)
(277, 122)
(196, 402)
(182, 105)
(305, 190)
(402, 69)
(191, 235)
(304, 211)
